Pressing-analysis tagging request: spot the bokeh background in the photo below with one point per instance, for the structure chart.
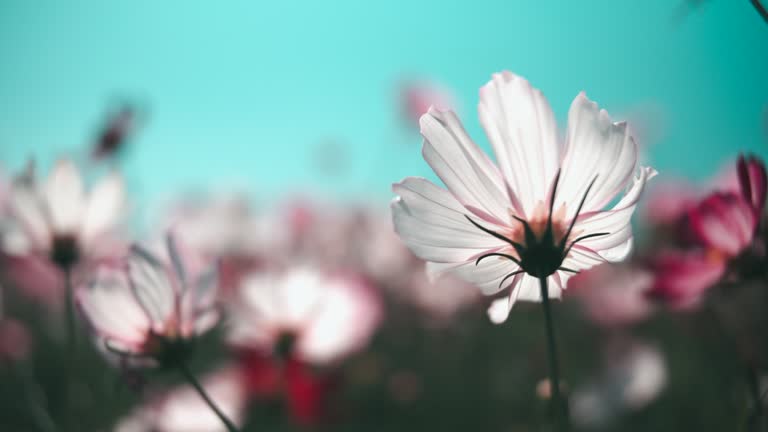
(291, 101)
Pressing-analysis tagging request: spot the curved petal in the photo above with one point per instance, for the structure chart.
(64, 193)
(103, 211)
(29, 212)
(724, 221)
(433, 224)
(486, 276)
(595, 149)
(618, 243)
(522, 130)
(467, 172)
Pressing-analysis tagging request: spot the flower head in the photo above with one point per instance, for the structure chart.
(539, 211)
(59, 219)
(149, 309)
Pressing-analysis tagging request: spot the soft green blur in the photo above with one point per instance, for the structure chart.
(246, 93)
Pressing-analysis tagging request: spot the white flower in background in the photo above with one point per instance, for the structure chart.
(634, 376)
(539, 211)
(149, 309)
(306, 314)
(183, 410)
(59, 219)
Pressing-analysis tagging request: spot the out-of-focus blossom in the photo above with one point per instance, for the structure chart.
(544, 198)
(417, 97)
(724, 223)
(753, 183)
(288, 324)
(668, 201)
(635, 374)
(613, 294)
(115, 132)
(306, 314)
(34, 277)
(183, 410)
(441, 297)
(148, 309)
(59, 220)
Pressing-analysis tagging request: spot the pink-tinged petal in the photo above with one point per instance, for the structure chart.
(617, 244)
(595, 149)
(681, 278)
(112, 310)
(417, 98)
(35, 277)
(521, 127)
(65, 196)
(29, 212)
(486, 276)
(152, 288)
(104, 208)
(753, 182)
(434, 225)
(613, 294)
(723, 221)
(467, 172)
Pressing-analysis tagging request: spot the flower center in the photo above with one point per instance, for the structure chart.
(65, 251)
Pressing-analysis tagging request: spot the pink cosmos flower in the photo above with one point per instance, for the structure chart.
(183, 410)
(59, 220)
(539, 211)
(149, 308)
(306, 314)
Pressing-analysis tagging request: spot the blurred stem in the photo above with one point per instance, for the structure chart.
(760, 9)
(190, 377)
(757, 418)
(35, 398)
(70, 308)
(559, 405)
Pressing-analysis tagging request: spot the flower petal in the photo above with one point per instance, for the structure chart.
(724, 221)
(433, 224)
(596, 149)
(105, 204)
(467, 172)
(64, 193)
(487, 275)
(29, 212)
(521, 127)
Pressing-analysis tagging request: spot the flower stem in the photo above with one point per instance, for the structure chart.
(70, 309)
(757, 417)
(200, 390)
(559, 405)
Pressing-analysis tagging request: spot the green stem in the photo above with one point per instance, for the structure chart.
(559, 404)
(70, 309)
(190, 377)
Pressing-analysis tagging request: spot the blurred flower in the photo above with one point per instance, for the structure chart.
(288, 323)
(116, 130)
(523, 211)
(417, 97)
(59, 220)
(635, 374)
(183, 410)
(753, 183)
(146, 311)
(306, 314)
(613, 294)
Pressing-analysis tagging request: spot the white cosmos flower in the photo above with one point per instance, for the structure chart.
(59, 218)
(487, 206)
(316, 317)
(148, 309)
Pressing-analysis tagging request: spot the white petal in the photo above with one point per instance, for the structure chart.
(29, 212)
(522, 130)
(618, 243)
(151, 285)
(64, 193)
(487, 275)
(595, 148)
(499, 310)
(467, 172)
(433, 224)
(104, 208)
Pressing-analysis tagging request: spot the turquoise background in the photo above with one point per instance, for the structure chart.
(246, 93)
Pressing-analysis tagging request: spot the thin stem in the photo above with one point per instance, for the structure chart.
(559, 404)
(760, 9)
(200, 390)
(757, 417)
(70, 309)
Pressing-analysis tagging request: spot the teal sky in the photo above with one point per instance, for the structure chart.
(243, 93)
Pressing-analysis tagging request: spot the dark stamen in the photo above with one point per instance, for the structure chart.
(573, 243)
(509, 257)
(552, 200)
(566, 269)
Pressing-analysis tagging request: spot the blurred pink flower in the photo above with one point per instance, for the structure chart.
(305, 314)
(59, 220)
(682, 277)
(504, 210)
(417, 97)
(753, 183)
(183, 410)
(148, 309)
(613, 294)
